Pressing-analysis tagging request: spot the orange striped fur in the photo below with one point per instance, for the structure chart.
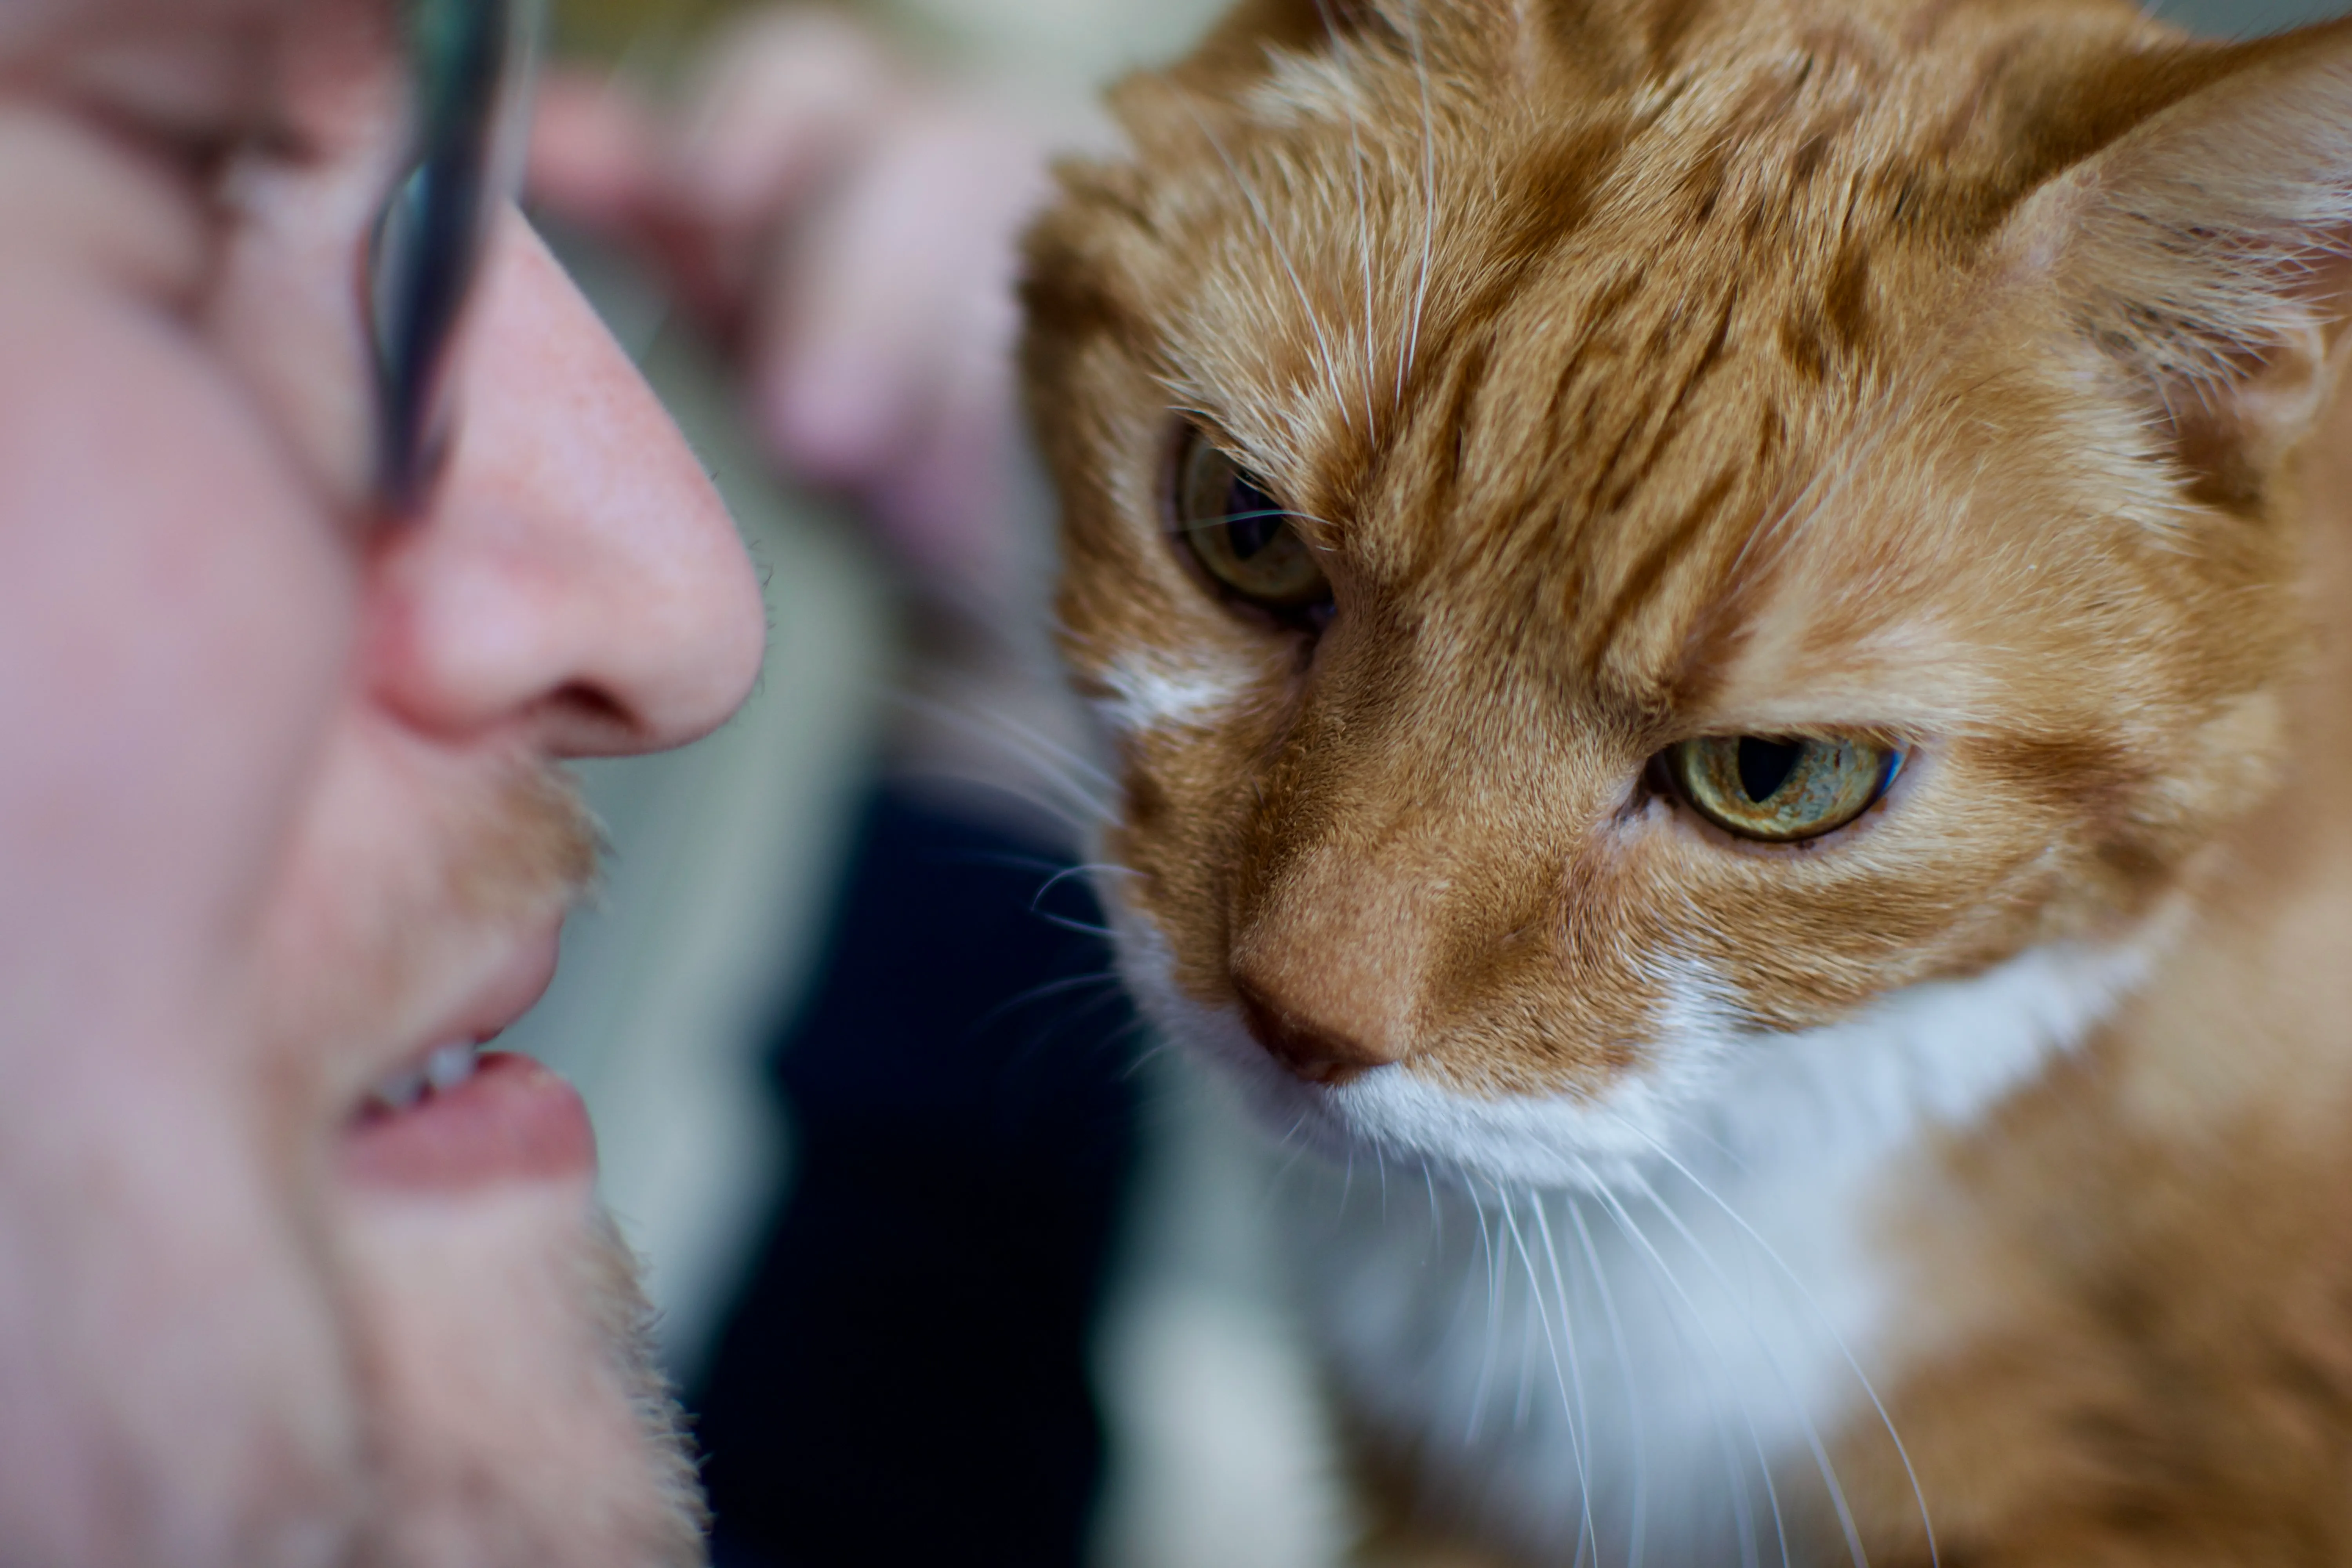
(1941, 374)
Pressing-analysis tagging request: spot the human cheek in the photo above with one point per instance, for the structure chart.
(172, 643)
(174, 623)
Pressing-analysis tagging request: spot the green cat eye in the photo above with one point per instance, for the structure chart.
(1244, 539)
(1780, 791)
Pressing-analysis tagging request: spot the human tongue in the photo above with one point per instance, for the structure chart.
(462, 1121)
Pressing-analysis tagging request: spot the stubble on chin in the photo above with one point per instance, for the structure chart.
(516, 1415)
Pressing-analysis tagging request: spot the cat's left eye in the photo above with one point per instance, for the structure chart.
(1779, 791)
(1248, 543)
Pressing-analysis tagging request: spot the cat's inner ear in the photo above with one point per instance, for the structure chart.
(2208, 254)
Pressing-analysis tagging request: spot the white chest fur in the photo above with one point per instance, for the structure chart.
(1647, 1360)
(1616, 1376)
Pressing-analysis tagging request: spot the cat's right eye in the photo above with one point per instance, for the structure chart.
(1779, 791)
(1248, 542)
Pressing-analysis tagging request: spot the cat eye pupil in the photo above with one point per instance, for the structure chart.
(1254, 521)
(1765, 766)
(1778, 790)
(1248, 544)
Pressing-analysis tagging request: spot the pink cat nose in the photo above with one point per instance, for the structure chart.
(1306, 1048)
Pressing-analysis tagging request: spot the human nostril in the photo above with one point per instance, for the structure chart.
(1306, 1049)
(586, 720)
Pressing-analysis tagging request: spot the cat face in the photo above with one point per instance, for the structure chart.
(1610, 536)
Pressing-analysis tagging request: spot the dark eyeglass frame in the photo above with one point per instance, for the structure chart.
(473, 62)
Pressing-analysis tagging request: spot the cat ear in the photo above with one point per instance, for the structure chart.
(2207, 252)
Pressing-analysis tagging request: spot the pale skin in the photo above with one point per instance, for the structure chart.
(274, 824)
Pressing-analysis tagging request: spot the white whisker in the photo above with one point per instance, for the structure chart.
(1812, 1434)
(1054, 988)
(1569, 1408)
(1084, 928)
(1082, 818)
(1436, 1216)
(1363, 219)
(1428, 196)
(1637, 1539)
(1580, 1415)
(1493, 1319)
(1092, 868)
(1298, 1147)
(1076, 801)
(1529, 1320)
(1257, 209)
(993, 725)
(1735, 1473)
(1771, 1254)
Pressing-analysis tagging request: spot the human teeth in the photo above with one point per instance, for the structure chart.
(400, 1090)
(448, 1067)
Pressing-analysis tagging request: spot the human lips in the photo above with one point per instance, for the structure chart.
(451, 1117)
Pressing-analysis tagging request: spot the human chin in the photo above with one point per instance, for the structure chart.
(503, 1362)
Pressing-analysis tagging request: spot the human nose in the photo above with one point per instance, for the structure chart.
(574, 575)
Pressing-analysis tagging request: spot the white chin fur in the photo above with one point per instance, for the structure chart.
(1940, 1053)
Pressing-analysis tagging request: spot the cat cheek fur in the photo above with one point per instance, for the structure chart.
(1709, 1092)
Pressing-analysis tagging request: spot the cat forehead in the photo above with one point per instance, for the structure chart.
(1790, 177)
(1593, 337)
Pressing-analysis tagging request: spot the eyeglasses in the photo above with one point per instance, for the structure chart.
(473, 62)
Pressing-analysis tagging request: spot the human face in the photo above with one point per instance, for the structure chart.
(278, 818)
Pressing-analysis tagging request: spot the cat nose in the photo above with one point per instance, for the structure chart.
(1308, 1049)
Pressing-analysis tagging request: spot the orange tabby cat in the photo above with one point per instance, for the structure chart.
(1723, 628)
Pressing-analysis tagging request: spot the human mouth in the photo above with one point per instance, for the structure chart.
(456, 1117)
(444, 1068)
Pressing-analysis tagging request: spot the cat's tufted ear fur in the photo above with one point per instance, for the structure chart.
(2208, 255)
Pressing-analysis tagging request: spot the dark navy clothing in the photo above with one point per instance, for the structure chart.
(904, 1380)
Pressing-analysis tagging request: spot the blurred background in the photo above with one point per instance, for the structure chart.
(952, 1265)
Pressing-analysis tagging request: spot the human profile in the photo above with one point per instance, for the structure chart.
(331, 522)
